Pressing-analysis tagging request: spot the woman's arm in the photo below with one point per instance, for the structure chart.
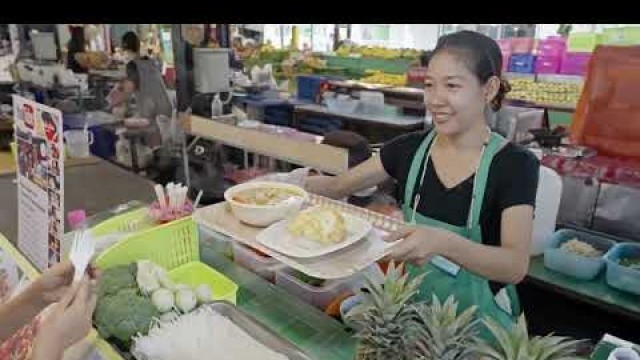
(17, 312)
(507, 263)
(363, 176)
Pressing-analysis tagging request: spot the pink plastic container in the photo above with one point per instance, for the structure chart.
(548, 64)
(505, 45)
(163, 216)
(575, 63)
(552, 47)
(522, 45)
(506, 56)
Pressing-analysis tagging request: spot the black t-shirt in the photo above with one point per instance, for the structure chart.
(512, 180)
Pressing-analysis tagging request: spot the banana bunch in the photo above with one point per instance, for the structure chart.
(378, 51)
(545, 92)
(379, 77)
(314, 62)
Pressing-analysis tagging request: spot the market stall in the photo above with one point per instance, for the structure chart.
(377, 127)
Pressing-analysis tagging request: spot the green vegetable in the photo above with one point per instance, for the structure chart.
(309, 279)
(122, 311)
(123, 315)
(116, 279)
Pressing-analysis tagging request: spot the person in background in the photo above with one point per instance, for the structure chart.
(75, 46)
(143, 83)
(467, 193)
(69, 320)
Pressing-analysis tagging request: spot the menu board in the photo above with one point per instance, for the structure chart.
(40, 165)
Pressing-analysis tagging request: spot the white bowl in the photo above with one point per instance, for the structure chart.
(265, 215)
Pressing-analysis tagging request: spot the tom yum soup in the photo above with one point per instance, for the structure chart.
(266, 196)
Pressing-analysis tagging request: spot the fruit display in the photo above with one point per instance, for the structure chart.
(581, 248)
(632, 262)
(378, 52)
(556, 93)
(380, 77)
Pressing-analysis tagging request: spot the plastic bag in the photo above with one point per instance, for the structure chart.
(607, 117)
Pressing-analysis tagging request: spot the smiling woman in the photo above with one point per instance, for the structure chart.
(468, 193)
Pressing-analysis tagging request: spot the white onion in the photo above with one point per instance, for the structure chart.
(185, 300)
(203, 294)
(162, 299)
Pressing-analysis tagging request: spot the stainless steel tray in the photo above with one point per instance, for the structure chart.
(258, 331)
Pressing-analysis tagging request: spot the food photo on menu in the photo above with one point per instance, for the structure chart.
(50, 127)
(40, 162)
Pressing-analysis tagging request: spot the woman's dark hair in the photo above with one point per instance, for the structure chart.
(425, 56)
(481, 54)
(358, 146)
(131, 42)
(76, 41)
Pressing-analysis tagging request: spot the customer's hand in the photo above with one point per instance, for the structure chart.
(416, 244)
(54, 282)
(68, 322)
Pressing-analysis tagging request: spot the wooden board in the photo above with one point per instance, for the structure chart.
(340, 264)
(322, 157)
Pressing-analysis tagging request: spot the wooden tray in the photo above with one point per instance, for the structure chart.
(336, 265)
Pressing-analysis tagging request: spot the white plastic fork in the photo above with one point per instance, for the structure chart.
(81, 252)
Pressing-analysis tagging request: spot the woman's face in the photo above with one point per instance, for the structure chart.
(454, 96)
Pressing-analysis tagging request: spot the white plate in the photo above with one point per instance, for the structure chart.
(277, 237)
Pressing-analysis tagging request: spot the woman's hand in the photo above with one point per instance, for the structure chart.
(416, 244)
(68, 322)
(321, 185)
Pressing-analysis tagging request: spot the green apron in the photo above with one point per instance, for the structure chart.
(444, 277)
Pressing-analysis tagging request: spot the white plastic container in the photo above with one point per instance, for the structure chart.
(319, 296)
(78, 142)
(372, 102)
(546, 211)
(263, 266)
(623, 353)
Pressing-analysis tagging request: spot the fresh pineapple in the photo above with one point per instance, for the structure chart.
(442, 333)
(383, 317)
(516, 344)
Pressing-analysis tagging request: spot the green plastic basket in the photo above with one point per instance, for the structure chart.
(169, 245)
(631, 35)
(196, 273)
(130, 221)
(613, 36)
(583, 42)
(174, 246)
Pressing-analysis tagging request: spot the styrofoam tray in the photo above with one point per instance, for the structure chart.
(335, 265)
(278, 238)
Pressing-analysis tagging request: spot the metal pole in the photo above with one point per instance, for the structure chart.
(183, 82)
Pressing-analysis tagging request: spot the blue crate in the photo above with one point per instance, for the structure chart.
(281, 114)
(522, 63)
(621, 277)
(309, 86)
(574, 265)
(320, 125)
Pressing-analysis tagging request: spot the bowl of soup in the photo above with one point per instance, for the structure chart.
(262, 203)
